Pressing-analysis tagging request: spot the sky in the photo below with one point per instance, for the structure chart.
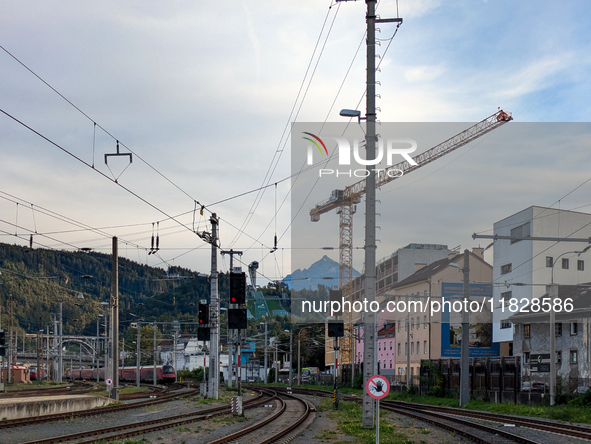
(204, 95)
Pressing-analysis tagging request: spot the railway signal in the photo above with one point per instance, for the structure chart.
(336, 329)
(237, 318)
(203, 314)
(237, 288)
(203, 334)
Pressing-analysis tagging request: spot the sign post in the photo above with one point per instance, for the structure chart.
(377, 387)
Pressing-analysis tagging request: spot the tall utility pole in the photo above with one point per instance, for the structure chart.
(290, 357)
(138, 356)
(552, 290)
(370, 216)
(60, 370)
(265, 352)
(154, 365)
(231, 333)
(115, 318)
(214, 355)
(465, 356)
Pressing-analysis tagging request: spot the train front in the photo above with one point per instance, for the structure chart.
(168, 374)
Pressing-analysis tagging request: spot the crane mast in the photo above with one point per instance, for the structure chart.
(344, 201)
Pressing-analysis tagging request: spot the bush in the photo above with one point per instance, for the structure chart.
(583, 400)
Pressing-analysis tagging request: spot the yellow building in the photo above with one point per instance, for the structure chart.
(418, 333)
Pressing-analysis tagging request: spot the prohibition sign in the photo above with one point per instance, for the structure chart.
(377, 387)
(109, 381)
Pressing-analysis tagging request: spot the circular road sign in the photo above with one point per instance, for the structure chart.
(377, 386)
(109, 381)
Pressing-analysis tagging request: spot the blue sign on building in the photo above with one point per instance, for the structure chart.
(480, 305)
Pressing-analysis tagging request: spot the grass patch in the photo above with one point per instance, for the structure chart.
(568, 413)
(348, 420)
(224, 399)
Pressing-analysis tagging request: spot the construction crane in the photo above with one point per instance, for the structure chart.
(344, 201)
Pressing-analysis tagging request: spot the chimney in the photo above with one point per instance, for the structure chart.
(478, 251)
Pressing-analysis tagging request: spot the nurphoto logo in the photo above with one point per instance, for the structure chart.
(394, 147)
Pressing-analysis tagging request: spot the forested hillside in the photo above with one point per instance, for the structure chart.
(39, 279)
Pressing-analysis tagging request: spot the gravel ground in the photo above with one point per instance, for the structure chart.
(77, 425)
(204, 432)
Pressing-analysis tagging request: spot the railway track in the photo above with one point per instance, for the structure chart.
(292, 412)
(145, 427)
(74, 388)
(445, 417)
(164, 397)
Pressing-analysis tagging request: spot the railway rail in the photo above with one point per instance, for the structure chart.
(292, 412)
(74, 388)
(164, 397)
(445, 416)
(144, 427)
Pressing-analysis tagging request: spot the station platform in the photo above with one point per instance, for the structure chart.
(14, 408)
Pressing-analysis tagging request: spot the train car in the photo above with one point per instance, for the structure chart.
(165, 374)
(33, 373)
(283, 375)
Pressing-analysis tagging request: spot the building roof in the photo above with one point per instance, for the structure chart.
(426, 272)
(580, 296)
(388, 330)
(429, 270)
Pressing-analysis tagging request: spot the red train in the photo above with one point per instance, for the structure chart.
(33, 373)
(165, 374)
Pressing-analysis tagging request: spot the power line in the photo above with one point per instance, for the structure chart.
(102, 174)
(95, 124)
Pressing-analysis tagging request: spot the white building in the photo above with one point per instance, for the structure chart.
(521, 269)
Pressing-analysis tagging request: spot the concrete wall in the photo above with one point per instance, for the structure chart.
(25, 408)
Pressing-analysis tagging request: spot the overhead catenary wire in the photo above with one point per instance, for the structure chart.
(280, 148)
(95, 124)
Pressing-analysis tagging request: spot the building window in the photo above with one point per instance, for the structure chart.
(425, 347)
(412, 348)
(506, 268)
(418, 322)
(390, 345)
(406, 348)
(549, 261)
(418, 347)
(379, 346)
(390, 363)
(505, 324)
(581, 265)
(506, 298)
(425, 321)
(526, 331)
(520, 231)
(574, 328)
(398, 326)
(565, 264)
(526, 358)
(559, 357)
(573, 357)
(558, 329)
(412, 324)
(399, 349)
